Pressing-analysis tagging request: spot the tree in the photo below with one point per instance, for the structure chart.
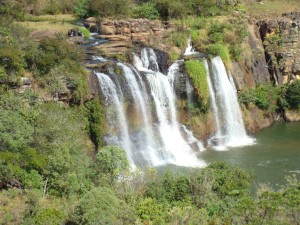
(99, 206)
(95, 118)
(293, 95)
(15, 132)
(111, 162)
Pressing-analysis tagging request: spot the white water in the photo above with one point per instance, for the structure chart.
(189, 49)
(147, 143)
(149, 59)
(175, 149)
(213, 101)
(111, 98)
(231, 131)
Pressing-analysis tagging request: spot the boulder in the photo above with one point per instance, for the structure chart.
(107, 30)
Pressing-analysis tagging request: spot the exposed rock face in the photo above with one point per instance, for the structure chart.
(251, 69)
(292, 116)
(256, 119)
(143, 31)
(283, 59)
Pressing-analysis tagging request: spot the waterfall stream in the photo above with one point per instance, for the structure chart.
(230, 126)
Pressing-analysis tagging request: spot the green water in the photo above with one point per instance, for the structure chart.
(275, 155)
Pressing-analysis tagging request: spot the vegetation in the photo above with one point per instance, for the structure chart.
(293, 95)
(272, 98)
(264, 97)
(197, 72)
(53, 166)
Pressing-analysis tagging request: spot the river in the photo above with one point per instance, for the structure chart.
(275, 155)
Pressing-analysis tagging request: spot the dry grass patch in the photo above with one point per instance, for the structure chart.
(56, 23)
(59, 27)
(52, 18)
(272, 8)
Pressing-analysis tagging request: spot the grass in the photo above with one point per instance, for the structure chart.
(58, 26)
(51, 18)
(60, 23)
(272, 8)
(197, 72)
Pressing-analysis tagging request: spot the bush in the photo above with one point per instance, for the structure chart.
(15, 132)
(219, 50)
(109, 8)
(12, 64)
(111, 162)
(145, 10)
(51, 52)
(81, 9)
(265, 97)
(293, 95)
(99, 206)
(197, 72)
(178, 39)
(96, 119)
(86, 33)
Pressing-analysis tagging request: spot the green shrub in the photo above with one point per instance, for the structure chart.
(265, 97)
(111, 162)
(219, 50)
(99, 206)
(86, 33)
(51, 52)
(49, 216)
(81, 9)
(174, 56)
(197, 72)
(109, 8)
(293, 95)
(96, 119)
(145, 10)
(12, 64)
(178, 39)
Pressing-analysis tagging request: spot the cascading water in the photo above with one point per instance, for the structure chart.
(229, 121)
(152, 135)
(176, 150)
(146, 140)
(189, 50)
(113, 101)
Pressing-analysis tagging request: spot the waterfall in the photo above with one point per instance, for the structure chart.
(146, 141)
(189, 49)
(213, 100)
(147, 128)
(114, 101)
(229, 121)
(176, 150)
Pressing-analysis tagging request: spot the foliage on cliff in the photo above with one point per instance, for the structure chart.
(198, 74)
(293, 95)
(272, 98)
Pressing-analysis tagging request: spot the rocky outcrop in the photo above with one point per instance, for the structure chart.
(135, 30)
(132, 31)
(292, 115)
(251, 69)
(281, 39)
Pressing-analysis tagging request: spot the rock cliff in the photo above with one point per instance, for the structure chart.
(281, 38)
